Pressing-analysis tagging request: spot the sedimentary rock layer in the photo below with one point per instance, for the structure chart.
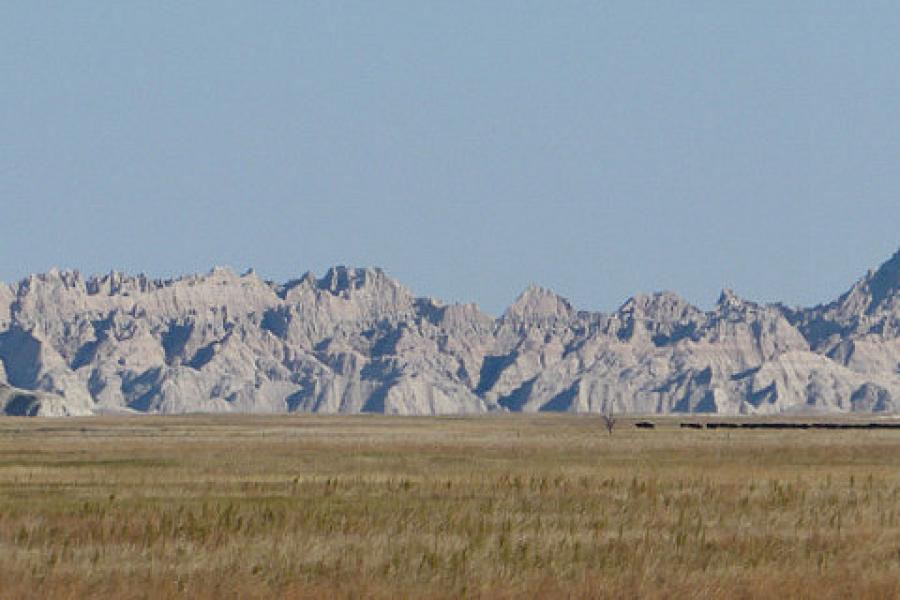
(357, 341)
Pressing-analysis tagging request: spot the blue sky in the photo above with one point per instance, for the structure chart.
(468, 148)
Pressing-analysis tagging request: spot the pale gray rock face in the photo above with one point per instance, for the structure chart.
(355, 340)
(22, 403)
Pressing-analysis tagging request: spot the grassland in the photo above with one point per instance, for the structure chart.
(252, 507)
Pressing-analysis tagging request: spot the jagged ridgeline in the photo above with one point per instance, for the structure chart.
(357, 341)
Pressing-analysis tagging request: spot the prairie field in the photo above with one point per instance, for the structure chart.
(490, 507)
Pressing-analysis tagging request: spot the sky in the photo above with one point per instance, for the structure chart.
(468, 148)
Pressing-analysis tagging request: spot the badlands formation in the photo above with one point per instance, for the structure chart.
(357, 341)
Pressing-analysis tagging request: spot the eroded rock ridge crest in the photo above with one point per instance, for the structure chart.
(354, 340)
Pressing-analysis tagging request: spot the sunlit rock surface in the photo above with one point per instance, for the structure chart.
(354, 340)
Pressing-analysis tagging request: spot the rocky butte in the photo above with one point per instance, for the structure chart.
(357, 341)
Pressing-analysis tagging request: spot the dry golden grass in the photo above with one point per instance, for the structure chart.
(300, 506)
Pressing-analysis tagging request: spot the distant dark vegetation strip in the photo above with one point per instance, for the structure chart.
(791, 425)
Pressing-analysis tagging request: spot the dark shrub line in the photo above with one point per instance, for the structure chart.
(790, 425)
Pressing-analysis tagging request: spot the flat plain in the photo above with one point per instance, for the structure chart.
(497, 506)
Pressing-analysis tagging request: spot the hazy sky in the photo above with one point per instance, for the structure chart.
(468, 148)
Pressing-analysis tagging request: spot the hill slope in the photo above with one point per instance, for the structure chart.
(355, 340)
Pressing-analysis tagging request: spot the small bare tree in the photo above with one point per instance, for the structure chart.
(609, 421)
